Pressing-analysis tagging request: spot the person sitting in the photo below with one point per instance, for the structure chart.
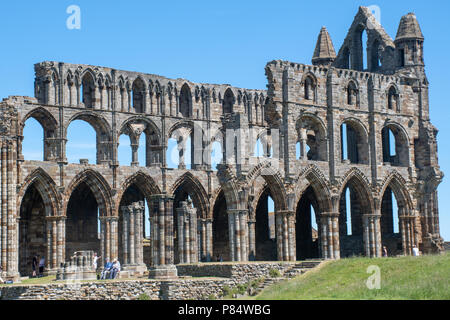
(115, 269)
(106, 270)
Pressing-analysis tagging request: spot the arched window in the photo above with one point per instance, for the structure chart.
(375, 62)
(310, 88)
(352, 94)
(81, 142)
(395, 146)
(311, 140)
(138, 92)
(216, 155)
(354, 143)
(393, 99)
(185, 101)
(228, 102)
(346, 58)
(33, 136)
(87, 90)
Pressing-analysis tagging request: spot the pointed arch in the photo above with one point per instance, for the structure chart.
(99, 187)
(186, 185)
(398, 186)
(229, 100)
(313, 177)
(46, 188)
(185, 101)
(361, 185)
(146, 184)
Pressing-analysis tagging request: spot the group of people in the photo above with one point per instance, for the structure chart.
(38, 263)
(111, 270)
(415, 252)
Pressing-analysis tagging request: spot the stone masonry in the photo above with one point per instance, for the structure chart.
(341, 139)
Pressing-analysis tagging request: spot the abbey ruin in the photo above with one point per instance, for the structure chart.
(336, 127)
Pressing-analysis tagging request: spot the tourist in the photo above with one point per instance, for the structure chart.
(415, 251)
(41, 266)
(115, 269)
(1, 279)
(385, 252)
(34, 265)
(106, 270)
(95, 261)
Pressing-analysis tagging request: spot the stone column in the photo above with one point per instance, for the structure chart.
(187, 233)
(303, 140)
(132, 237)
(209, 240)
(407, 230)
(285, 235)
(61, 240)
(181, 152)
(238, 231)
(251, 240)
(134, 154)
(329, 234)
(161, 221)
(8, 220)
(372, 235)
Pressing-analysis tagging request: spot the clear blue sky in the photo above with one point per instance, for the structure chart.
(208, 41)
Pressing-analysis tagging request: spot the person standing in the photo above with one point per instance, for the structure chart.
(41, 266)
(95, 261)
(34, 265)
(385, 252)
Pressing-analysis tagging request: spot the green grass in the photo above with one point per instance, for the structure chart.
(402, 278)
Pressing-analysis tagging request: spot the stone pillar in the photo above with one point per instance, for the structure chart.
(181, 145)
(161, 221)
(251, 240)
(52, 258)
(187, 233)
(8, 220)
(205, 241)
(407, 230)
(285, 234)
(303, 144)
(209, 240)
(134, 154)
(329, 235)
(61, 240)
(132, 237)
(238, 231)
(372, 235)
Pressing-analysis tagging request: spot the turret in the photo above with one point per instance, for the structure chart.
(409, 42)
(324, 53)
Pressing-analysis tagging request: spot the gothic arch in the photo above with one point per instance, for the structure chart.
(99, 187)
(274, 182)
(198, 193)
(143, 181)
(312, 130)
(398, 186)
(46, 188)
(185, 101)
(402, 143)
(312, 177)
(361, 185)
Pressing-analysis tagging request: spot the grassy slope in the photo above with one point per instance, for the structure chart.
(426, 277)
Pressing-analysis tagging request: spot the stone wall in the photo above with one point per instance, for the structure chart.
(220, 275)
(241, 271)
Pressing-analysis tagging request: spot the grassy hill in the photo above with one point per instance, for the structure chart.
(416, 278)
